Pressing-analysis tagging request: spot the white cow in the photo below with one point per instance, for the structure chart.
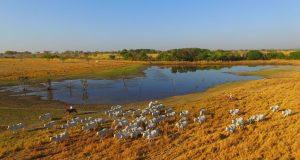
(59, 137)
(287, 112)
(230, 128)
(15, 127)
(234, 112)
(182, 124)
(171, 114)
(121, 135)
(50, 124)
(103, 132)
(69, 125)
(76, 119)
(200, 119)
(274, 108)
(100, 120)
(153, 133)
(256, 118)
(202, 112)
(45, 116)
(89, 126)
(86, 119)
(239, 122)
(184, 113)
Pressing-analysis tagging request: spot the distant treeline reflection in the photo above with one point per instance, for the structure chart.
(186, 68)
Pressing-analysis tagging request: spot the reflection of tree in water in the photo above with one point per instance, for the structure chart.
(184, 69)
(49, 84)
(49, 81)
(50, 94)
(69, 86)
(84, 87)
(23, 82)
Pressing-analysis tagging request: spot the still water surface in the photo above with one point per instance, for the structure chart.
(158, 82)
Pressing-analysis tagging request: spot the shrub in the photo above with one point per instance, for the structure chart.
(136, 55)
(254, 55)
(274, 55)
(294, 55)
(112, 56)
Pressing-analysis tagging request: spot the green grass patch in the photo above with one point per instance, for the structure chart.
(129, 71)
(122, 72)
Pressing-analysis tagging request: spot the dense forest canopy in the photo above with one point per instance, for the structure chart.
(182, 54)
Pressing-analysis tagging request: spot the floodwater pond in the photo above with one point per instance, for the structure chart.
(158, 82)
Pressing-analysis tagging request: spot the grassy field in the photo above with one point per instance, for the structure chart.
(275, 138)
(41, 69)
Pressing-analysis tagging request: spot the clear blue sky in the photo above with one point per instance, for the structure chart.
(58, 25)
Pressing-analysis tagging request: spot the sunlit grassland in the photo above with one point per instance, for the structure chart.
(271, 139)
(39, 70)
(130, 71)
(275, 138)
(283, 71)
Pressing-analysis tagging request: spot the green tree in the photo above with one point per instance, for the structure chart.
(294, 55)
(274, 55)
(254, 55)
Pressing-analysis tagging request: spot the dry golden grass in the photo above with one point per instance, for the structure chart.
(36, 69)
(274, 138)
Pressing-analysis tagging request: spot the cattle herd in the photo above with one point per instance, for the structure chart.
(145, 123)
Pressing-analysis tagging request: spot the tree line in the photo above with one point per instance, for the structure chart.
(198, 54)
(182, 54)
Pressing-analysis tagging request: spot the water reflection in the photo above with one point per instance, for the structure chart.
(184, 69)
(158, 82)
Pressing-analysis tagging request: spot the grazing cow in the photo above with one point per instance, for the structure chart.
(89, 126)
(151, 125)
(100, 120)
(169, 110)
(172, 114)
(274, 108)
(45, 116)
(76, 120)
(200, 119)
(181, 124)
(103, 132)
(256, 118)
(239, 122)
(202, 112)
(234, 112)
(87, 119)
(260, 117)
(184, 113)
(230, 128)
(121, 135)
(49, 125)
(15, 127)
(59, 137)
(152, 134)
(287, 112)
(69, 125)
(155, 113)
(151, 104)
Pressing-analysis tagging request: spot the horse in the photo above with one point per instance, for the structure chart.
(71, 110)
